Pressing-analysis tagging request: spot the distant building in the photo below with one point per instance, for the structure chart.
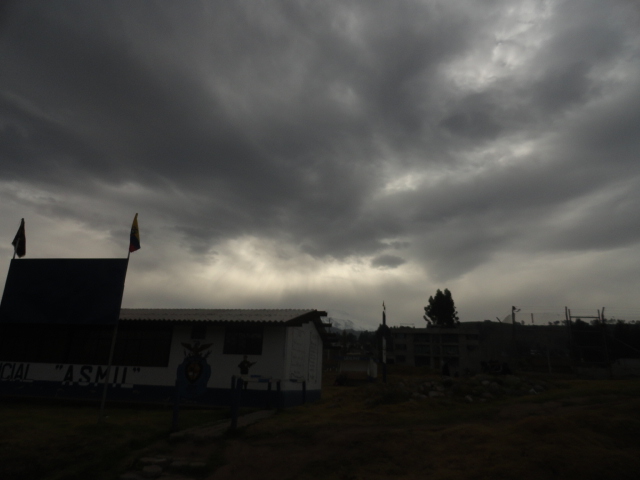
(355, 367)
(476, 346)
(432, 347)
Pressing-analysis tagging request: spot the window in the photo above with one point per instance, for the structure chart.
(452, 361)
(399, 336)
(242, 340)
(422, 338)
(89, 344)
(401, 346)
(450, 350)
(424, 349)
(199, 331)
(450, 338)
(144, 344)
(422, 361)
(400, 359)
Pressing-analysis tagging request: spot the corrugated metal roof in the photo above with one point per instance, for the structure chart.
(217, 315)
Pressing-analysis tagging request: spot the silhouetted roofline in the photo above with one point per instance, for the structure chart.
(219, 315)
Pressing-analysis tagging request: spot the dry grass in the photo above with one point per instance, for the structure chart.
(581, 429)
(65, 441)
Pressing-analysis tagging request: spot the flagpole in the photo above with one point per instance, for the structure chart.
(115, 331)
(112, 348)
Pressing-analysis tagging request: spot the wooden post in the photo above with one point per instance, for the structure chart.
(304, 391)
(384, 343)
(113, 346)
(513, 335)
(176, 410)
(106, 381)
(235, 401)
(549, 337)
(607, 359)
(279, 396)
(567, 314)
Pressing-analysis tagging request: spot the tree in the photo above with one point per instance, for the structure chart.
(441, 311)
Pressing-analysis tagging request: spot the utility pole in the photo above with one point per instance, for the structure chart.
(384, 343)
(567, 315)
(607, 359)
(513, 334)
(598, 322)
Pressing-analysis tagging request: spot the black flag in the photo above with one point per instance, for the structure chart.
(20, 242)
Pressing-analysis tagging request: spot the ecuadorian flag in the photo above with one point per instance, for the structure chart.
(134, 238)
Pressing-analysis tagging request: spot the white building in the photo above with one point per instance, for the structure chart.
(160, 350)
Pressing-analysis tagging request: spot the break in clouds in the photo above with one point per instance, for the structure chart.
(330, 155)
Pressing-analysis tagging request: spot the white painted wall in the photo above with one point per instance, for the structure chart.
(304, 356)
(287, 352)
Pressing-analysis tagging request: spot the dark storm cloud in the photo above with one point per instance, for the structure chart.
(387, 261)
(289, 121)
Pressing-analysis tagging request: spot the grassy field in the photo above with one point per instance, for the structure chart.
(65, 441)
(576, 429)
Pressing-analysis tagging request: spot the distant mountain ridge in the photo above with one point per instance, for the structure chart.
(344, 321)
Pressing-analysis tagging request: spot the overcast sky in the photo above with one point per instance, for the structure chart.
(331, 155)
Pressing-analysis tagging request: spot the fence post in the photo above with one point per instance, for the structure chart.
(279, 396)
(304, 391)
(236, 391)
(176, 409)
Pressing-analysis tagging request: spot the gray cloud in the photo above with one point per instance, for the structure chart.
(387, 261)
(432, 137)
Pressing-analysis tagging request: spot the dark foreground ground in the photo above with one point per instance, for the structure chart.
(479, 428)
(571, 430)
